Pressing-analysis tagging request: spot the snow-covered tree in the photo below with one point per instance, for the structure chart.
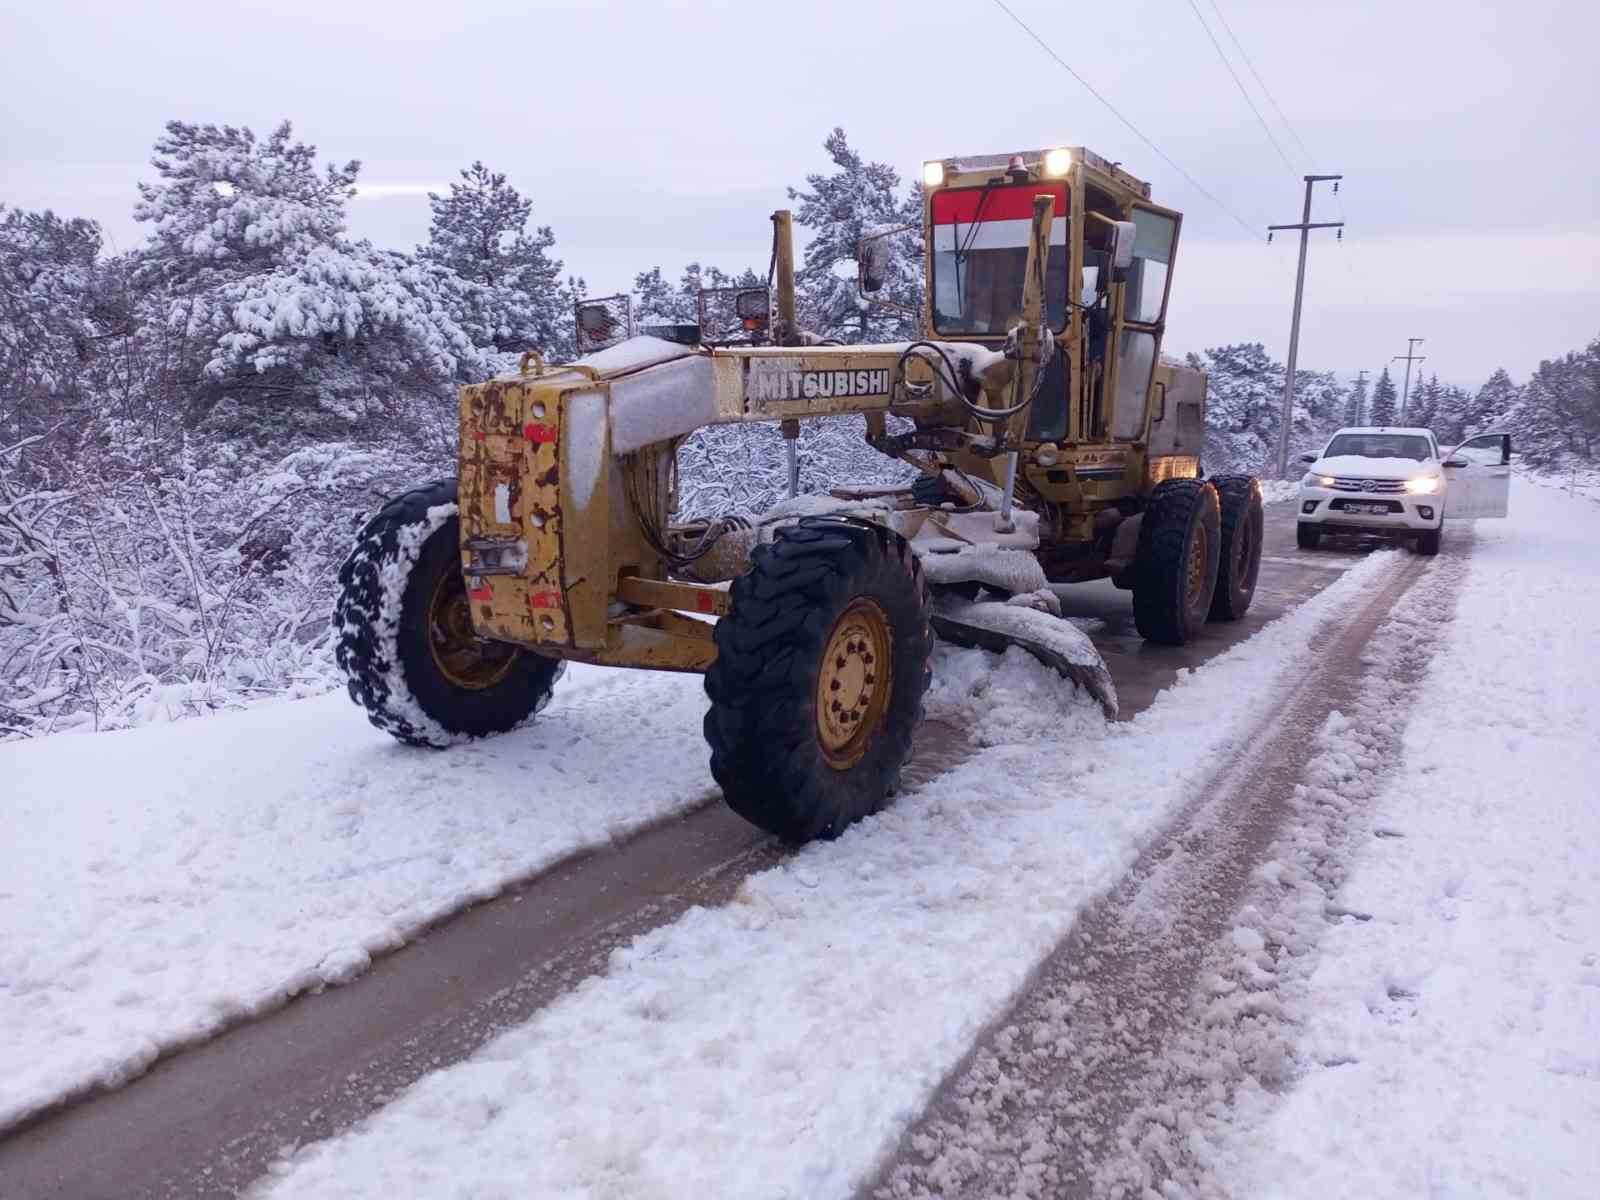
(48, 297)
(288, 327)
(480, 231)
(1384, 400)
(1244, 404)
(857, 199)
(1425, 400)
(1556, 415)
(657, 302)
(229, 205)
(1492, 404)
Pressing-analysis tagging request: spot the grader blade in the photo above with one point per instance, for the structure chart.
(1055, 642)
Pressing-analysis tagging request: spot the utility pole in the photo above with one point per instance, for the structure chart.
(1410, 356)
(1305, 227)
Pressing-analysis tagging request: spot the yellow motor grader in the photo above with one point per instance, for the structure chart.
(1053, 445)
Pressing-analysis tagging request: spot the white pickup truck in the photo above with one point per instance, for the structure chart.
(1393, 482)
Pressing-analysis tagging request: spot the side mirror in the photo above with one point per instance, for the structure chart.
(1308, 458)
(1456, 462)
(872, 263)
(1122, 239)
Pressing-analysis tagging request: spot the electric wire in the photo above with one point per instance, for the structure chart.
(1243, 91)
(1265, 90)
(1137, 132)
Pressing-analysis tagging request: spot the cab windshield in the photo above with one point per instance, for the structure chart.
(980, 257)
(1380, 445)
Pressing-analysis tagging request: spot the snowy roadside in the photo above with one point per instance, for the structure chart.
(1577, 481)
(1445, 1040)
(778, 1045)
(159, 884)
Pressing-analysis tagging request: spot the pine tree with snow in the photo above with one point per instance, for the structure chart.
(657, 302)
(857, 199)
(288, 326)
(1384, 400)
(1424, 405)
(49, 297)
(1356, 403)
(480, 231)
(228, 205)
(1451, 414)
(1492, 405)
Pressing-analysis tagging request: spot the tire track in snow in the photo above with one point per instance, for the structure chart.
(1163, 1002)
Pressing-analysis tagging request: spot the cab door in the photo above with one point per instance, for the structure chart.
(1144, 314)
(1478, 475)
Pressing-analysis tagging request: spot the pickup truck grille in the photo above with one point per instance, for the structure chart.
(1370, 486)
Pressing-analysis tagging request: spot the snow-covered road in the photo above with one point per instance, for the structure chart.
(776, 1046)
(1447, 1040)
(779, 1044)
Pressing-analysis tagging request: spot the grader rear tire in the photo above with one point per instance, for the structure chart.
(1239, 562)
(819, 678)
(1176, 569)
(405, 636)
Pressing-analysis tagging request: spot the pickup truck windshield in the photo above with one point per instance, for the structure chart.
(1380, 445)
(980, 256)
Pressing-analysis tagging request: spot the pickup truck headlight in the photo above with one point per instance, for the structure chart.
(1425, 486)
(1312, 479)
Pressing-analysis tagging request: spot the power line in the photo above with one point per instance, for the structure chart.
(1243, 91)
(1088, 87)
(1265, 90)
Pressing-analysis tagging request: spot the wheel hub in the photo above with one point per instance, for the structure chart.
(854, 683)
(1195, 574)
(464, 658)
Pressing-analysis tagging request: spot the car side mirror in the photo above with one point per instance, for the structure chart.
(1456, 462)
(1308, 458)
(872, 263)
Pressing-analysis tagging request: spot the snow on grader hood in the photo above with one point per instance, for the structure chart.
(813, 623)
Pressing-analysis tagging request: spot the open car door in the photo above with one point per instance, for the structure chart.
(1479, 474)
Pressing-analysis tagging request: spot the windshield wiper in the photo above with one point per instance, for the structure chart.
(962, 247)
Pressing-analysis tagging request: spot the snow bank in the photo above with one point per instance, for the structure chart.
(776, 1046)
(1448, 1036)
(158, 884)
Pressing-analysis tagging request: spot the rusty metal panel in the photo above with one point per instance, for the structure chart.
(508, 490)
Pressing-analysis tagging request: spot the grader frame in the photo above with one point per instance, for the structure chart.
(555, 461)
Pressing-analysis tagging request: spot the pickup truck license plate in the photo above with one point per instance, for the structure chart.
(1367, 508)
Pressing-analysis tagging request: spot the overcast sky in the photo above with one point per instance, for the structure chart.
(1468, 133)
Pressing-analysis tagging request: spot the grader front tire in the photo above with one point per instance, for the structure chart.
(818, 683)
(405, 638)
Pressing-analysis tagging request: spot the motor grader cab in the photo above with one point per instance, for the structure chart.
(1053, 446)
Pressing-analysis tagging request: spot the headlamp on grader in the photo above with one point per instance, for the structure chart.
(1053, 446)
